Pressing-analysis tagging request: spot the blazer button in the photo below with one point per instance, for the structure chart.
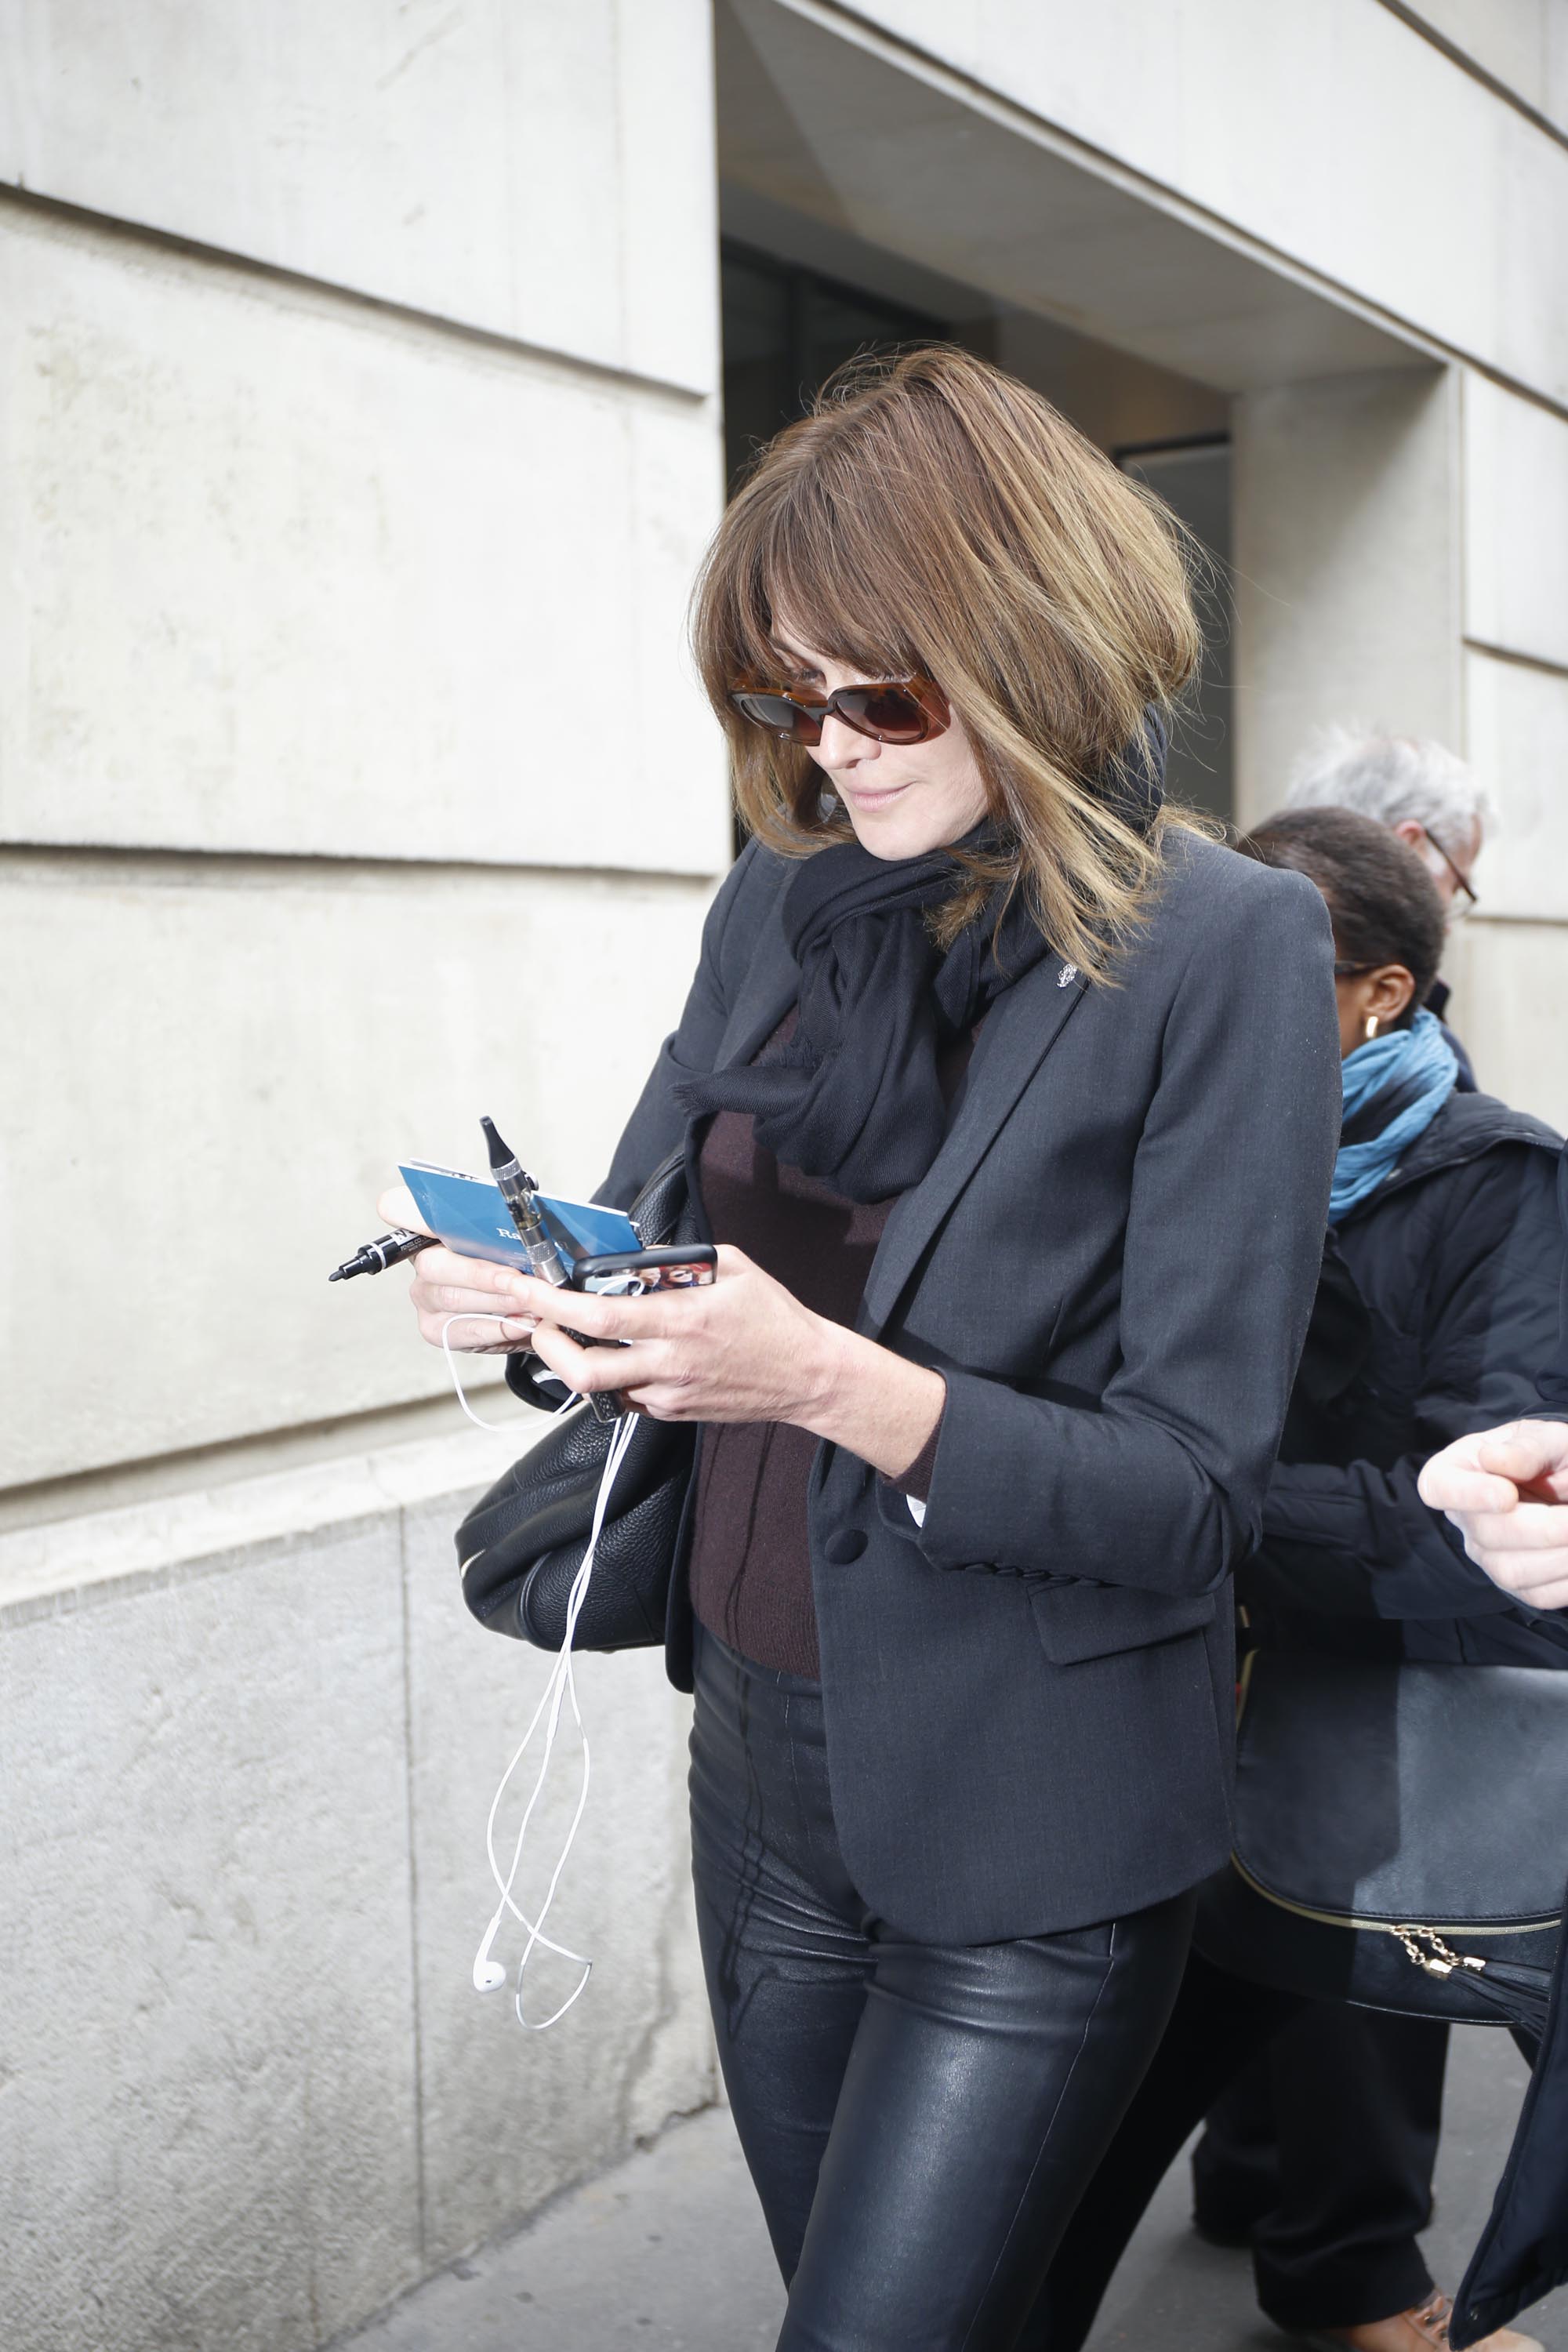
(845, 1545)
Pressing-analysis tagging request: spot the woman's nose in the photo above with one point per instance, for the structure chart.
(841, 747)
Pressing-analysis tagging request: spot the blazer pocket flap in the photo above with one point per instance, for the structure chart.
(1079, 1621)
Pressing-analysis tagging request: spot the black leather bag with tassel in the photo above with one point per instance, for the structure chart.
(522, 1545)
(1401, 1837)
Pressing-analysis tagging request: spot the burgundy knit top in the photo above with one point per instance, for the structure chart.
(750, 1558)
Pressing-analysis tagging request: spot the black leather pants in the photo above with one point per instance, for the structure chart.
(919, 2119)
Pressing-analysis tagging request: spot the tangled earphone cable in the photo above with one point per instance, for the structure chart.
(561, 1689)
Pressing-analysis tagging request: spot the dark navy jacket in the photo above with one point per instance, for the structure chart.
(1457, 1261)
(1437, 997)
(1112, 1260)
(1554, 1373)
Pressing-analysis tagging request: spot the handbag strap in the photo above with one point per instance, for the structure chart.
(657, 1209)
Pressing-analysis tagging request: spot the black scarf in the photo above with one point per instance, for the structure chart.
(855, 1097)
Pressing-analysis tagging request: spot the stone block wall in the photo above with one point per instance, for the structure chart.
(359, 438)
(249, 1742)
(1510, 958)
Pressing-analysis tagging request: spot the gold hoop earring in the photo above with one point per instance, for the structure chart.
(1370, 1027)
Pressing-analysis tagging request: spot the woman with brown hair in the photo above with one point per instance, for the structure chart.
(1011, 1100)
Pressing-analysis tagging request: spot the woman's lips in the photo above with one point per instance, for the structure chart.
(872, 796)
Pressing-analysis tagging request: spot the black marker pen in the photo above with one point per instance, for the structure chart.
(375, 1256)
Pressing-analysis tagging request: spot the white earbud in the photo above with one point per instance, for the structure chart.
(488, 1975)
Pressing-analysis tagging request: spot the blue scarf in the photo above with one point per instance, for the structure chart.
(1393, 1090)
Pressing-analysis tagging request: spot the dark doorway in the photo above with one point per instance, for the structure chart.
(1193, 476)
(785, 329)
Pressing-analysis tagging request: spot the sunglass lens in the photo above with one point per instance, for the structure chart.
(888, 713)
(780, 715)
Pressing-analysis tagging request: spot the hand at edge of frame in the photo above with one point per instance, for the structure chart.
(1506, 1490)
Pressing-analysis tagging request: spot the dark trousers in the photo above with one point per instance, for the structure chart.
(1322, 2151)
(1219, 2025)
(919, 2119)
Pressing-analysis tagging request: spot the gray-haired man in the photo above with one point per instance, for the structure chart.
(1425, 794)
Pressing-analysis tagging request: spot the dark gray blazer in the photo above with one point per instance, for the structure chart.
(1112, 1260)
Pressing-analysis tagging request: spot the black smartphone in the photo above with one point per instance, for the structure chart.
(629, 1273)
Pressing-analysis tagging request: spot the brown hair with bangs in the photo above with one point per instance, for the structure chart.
(933, 515)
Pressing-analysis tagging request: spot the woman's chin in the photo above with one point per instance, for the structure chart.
(892, 830)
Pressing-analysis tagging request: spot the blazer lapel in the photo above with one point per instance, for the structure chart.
(1013, 1042)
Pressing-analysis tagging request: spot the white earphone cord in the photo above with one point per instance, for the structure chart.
(562, 1685)
(496, 1427)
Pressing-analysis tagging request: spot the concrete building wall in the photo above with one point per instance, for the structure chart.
(1347, 553)
(1522, 44)
(250, 1743)
(1511, 959)
(294, 573)
(1335, 135)
(358, 439)
(539, 174)
(340, 605)
(259, 1040)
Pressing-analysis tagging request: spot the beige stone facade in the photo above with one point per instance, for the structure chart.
(362, 423)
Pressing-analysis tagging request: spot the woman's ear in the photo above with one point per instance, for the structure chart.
(1388, 991)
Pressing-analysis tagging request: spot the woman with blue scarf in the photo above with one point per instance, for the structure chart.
(1437, 1308)
(1394, 1086)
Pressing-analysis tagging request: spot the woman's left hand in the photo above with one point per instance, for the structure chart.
(738, 1348)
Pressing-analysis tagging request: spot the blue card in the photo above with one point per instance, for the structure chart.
(471, 1216)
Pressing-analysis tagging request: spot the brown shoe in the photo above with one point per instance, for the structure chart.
(1423, 2329)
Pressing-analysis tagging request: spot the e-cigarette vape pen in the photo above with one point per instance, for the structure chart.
(518, 1192)
(517, 1188)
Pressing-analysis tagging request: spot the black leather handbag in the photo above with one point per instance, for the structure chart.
(1401, 1836)
(522, 1545)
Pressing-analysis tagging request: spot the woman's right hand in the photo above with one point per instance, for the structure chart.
(445, 1284)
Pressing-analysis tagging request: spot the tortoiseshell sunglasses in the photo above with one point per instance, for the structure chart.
(891, 711)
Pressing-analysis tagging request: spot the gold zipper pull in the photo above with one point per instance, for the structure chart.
(1443, 1959)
